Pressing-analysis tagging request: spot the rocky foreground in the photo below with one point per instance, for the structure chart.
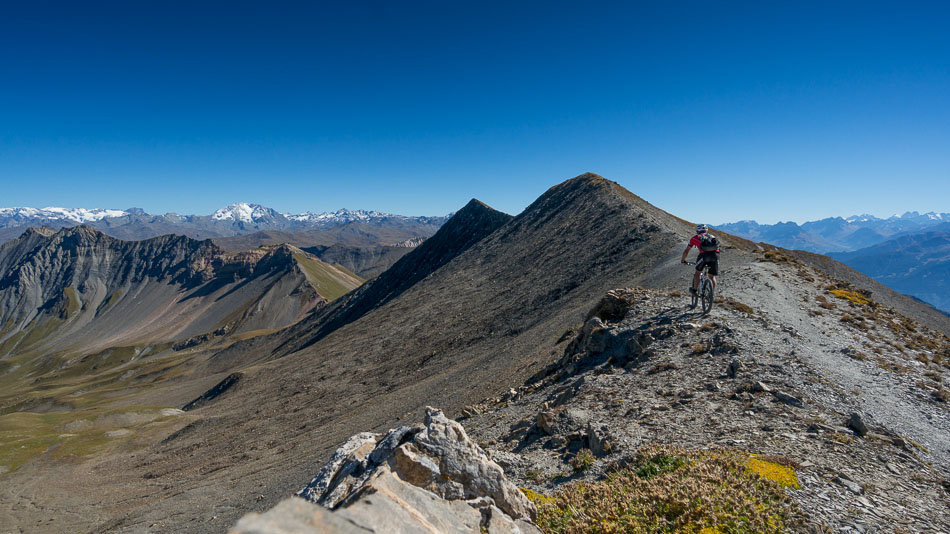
(425, 478)
(844, 398)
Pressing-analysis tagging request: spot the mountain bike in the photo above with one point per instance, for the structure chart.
(706, 292)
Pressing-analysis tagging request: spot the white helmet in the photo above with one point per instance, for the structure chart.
(701, 228)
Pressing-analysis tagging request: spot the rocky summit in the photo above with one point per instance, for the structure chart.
(575, 387)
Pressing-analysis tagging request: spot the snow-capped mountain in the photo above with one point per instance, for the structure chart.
(244, 212)
(341, 216)
(240, 218)
(77, 215)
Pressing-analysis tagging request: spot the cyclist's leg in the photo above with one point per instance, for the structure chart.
(699, 269)
(713, 269)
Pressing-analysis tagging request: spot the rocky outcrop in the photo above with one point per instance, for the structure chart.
(425, 478)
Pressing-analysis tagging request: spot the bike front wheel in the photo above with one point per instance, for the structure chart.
(707, 295)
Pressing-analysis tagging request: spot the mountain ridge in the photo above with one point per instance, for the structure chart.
(475, 326)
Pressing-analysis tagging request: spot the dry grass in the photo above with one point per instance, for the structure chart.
(738, 306)
(778, 257)
(674, 490)
(660, 367)
(823, 302)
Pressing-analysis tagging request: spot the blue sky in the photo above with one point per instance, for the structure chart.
(715, 111)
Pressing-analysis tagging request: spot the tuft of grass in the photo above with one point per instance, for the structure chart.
(823, 302)
(843, 439)
(700, 491)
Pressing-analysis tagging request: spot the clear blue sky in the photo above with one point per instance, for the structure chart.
(715, 111)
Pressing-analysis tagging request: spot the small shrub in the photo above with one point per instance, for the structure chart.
(660, 464)
(583, 461)
(676, 293)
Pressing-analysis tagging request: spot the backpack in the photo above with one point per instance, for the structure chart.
(708, 243)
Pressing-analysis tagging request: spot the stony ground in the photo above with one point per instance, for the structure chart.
(777, 369)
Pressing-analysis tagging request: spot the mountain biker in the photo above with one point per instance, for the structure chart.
(708, 247)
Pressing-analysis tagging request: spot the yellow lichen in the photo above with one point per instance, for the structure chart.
(782, 475)
(537, 498)
(851, 296)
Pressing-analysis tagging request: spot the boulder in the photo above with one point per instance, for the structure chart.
(426, 478)
(857, 424)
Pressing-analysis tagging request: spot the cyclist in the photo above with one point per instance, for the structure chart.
(708, 247)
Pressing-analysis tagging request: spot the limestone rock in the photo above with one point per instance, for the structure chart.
(429, 478)
(296, 516)
(463, 462)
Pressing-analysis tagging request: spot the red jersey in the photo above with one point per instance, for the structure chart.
(696, 241)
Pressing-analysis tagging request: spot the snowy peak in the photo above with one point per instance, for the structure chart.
(864, 217)
(243, 212)
(77, 215)
(340, 216)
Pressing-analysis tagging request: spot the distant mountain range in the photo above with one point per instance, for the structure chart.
(233, 220)
(917, 264)
(836, 234)
(906, 252)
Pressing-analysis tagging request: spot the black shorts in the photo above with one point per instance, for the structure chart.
(711, 259)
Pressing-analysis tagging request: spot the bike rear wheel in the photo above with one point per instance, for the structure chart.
(707, 295)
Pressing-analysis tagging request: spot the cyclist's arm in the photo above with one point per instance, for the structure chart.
(685, 252)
